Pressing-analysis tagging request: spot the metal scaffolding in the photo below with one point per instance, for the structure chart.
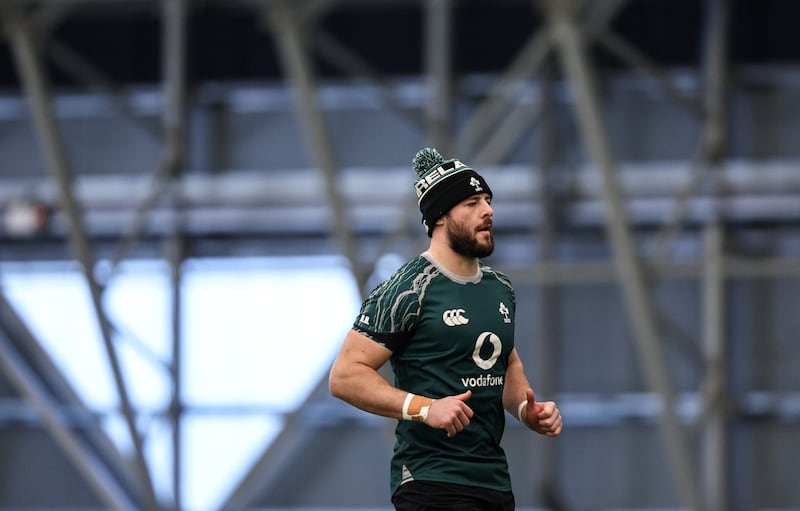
(487, 134)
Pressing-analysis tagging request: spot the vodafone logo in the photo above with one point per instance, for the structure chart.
(497, 348)
(454, 317)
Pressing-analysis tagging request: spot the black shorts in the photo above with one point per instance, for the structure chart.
(434, 496)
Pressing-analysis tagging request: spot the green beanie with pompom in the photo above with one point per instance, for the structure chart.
(442, 184)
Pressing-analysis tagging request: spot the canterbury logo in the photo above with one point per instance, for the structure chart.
(454, 317)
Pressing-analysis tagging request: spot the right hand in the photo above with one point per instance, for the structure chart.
(450, 413)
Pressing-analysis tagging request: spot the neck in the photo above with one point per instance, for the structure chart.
(455, 263)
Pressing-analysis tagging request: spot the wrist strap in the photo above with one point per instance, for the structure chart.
(415, 408)
(519, 411)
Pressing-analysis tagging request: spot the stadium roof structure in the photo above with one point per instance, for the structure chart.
(287, 127)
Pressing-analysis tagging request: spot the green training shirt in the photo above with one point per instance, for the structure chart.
(448, 334)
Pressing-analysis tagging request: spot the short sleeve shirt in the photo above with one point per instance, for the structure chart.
(448, 334)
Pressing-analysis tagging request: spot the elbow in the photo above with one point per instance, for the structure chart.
(335, 386)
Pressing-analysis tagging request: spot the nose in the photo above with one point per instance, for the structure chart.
(488, 211)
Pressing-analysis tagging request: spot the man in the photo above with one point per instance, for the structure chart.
(446, 323)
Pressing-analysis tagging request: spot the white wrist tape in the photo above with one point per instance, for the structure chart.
(415, 408)
(519, 411)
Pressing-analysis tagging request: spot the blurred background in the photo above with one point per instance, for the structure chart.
(196, 194)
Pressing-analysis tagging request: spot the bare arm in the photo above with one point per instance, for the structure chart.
(354, 378)
(516, 384)
(542, 417)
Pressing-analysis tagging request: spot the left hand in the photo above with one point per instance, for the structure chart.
(542, 417)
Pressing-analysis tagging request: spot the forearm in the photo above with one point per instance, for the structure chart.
(519, 400)
(516, 384)
(354, 378)
(365, 388)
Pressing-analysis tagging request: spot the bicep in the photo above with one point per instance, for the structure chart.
(359, 349)
(355, 379)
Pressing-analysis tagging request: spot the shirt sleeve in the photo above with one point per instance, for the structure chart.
(389, 315)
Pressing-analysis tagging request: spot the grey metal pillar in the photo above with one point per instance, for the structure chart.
(173, 72)
(175, 254)
(438, 56)
(33, 81)
(548, 354)
(714, 431)
(174, 13)
(568, 41)
(715, 136)
(716, 74)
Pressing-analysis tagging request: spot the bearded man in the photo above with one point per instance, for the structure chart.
(445, 322)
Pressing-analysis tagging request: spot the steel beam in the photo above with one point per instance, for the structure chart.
(706, 162)
(438, 107)
(438, 62)
(485, 116)
(438, 110)
(484, 119)
(587, 273)
(715, 398)
(338, 55)
(90, 467)
(438, 72)
(173, 70)
(347, 61)
(634, 58)
(298, 429)
(83, 424)
(31, 74)
(81, 69)
(506, 136)
(715, 136)
(77, 66)
(547, 353)
(285, 23)
(174, 35)
(570, 46)
(715, 67)
(175, 256)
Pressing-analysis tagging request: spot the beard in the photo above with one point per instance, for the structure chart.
(464, 242)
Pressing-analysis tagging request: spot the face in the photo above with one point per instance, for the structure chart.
(469, 226)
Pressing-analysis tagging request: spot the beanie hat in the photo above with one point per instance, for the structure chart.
(443, 184)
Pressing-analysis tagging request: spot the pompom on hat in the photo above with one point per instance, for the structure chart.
(442, 184)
